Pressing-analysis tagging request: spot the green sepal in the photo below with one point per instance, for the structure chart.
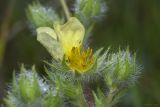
(99, 98)
(52, 101)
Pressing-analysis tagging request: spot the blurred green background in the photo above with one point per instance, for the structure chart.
(133, 23)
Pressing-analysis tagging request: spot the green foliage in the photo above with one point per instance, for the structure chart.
(29, 90)
(26, 90)
(99, 99)
(118, 70)
(52, 101)
(108, 79)
(40, 16)
(122, 67)
(88, 11)
(66, 84)
(103, 84)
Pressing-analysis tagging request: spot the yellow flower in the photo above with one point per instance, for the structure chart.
(70, 37)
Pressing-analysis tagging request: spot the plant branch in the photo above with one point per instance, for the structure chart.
(65, 8)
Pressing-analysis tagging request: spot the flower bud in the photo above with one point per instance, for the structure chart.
(29, 88)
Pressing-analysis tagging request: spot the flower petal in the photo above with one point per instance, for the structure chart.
(47, 37)
(70, 34)
(48, 31)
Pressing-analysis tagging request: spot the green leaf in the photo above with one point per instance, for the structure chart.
(40, 16)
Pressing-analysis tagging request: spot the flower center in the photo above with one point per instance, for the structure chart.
(79, 59)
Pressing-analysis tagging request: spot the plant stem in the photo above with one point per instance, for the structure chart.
(65, 8)
(5, 28)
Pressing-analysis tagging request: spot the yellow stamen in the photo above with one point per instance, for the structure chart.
(79, 59)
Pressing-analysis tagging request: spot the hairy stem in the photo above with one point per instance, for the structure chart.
(65, 8)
